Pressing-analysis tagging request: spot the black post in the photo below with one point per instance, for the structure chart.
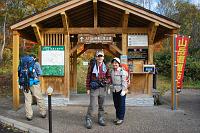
(50, 113)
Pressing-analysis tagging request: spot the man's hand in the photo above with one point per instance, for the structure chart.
(88, 92)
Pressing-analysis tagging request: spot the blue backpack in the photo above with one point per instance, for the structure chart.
(27, 72)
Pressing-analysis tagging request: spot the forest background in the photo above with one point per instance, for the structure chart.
(185, 12)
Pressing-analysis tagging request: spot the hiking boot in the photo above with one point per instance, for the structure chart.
(29, 119)
(44, 116)
(119, 122)
(88, 123)
(102, 121)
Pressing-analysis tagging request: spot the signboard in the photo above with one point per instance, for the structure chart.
(137, 40)
(102, 38)
(182, 50)
(53, 60)
(124, 59)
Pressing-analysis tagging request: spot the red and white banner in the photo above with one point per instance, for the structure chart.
(181, 54)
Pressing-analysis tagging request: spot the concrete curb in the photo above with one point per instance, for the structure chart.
(22, 126)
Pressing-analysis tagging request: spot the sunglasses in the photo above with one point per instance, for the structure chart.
(100, 56)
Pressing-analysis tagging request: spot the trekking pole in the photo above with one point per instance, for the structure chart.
(49, 91)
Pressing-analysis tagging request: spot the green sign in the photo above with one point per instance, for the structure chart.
(53, 60)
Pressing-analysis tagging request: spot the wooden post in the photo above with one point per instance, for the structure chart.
(173, 90)
(125, 35)
(150, 61)
(39, 37)
(75, 71)
(151, 36)
(124, 44)
(95, 13)
(67, 66)
(15, 69)
(67, 44)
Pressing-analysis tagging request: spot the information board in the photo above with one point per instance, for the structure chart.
(53, 60)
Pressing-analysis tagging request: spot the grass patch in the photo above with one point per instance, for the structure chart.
(81, 78)
(164, 84)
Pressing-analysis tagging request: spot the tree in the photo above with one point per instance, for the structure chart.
(166, 8)
(12, 11)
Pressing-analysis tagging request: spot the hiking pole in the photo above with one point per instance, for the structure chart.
(49, 91)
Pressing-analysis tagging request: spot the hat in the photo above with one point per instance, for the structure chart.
(100, 52)
(115, 60)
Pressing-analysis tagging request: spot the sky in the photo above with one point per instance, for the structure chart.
(155, 2)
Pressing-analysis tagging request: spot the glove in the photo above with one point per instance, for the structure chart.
(123, 93)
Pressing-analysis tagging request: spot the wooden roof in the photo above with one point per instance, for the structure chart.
(81, 14)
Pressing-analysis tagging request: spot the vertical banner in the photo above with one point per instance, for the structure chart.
(181, 54)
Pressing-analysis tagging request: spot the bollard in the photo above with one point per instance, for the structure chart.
(49, 91)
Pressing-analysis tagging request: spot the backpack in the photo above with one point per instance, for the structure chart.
(27, 73)
(126, 68)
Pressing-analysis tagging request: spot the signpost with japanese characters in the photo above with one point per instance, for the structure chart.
(101, 38)
(181, 53)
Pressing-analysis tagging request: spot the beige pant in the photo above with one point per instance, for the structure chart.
(37, 92)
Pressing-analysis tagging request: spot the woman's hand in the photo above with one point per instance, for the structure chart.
(88, 92)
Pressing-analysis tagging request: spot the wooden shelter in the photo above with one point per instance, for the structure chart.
(68, 23)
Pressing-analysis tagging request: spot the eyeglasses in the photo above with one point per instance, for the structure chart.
(100, 56)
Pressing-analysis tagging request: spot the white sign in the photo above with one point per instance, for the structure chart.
(102, 38)
(85, 63)
(137, 40)
(53, 60)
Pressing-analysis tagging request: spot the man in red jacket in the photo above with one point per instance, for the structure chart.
(97, 77)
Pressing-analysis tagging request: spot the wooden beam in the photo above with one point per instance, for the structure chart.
(125, 20)
(152, 32)
(110, 51)
(116, 48)
(65, 21)
(95, 13)
(37, 33)
(48, 13)
(15, 69)
(105, 30)
(79, 54)
(75, 48)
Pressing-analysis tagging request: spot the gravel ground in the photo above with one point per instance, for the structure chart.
(157, 119)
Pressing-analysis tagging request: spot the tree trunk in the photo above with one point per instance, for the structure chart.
(4, 37)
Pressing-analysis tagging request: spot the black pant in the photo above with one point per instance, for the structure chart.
(119, 103)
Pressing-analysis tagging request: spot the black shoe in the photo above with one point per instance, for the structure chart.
(44, 116)
(88, 123)
(29, 119)
(119, 122)
(115, 121)
(102, 121)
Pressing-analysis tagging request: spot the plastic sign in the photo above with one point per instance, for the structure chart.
(181, 54)
(149, 68)
(138, 40)
(102, 38)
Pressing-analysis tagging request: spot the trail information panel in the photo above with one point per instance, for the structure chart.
(53, 60)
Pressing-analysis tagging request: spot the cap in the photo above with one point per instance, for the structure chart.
(100, 52)
(116, 59)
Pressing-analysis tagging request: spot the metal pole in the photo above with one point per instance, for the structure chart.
(50, 113)
(175, 64)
